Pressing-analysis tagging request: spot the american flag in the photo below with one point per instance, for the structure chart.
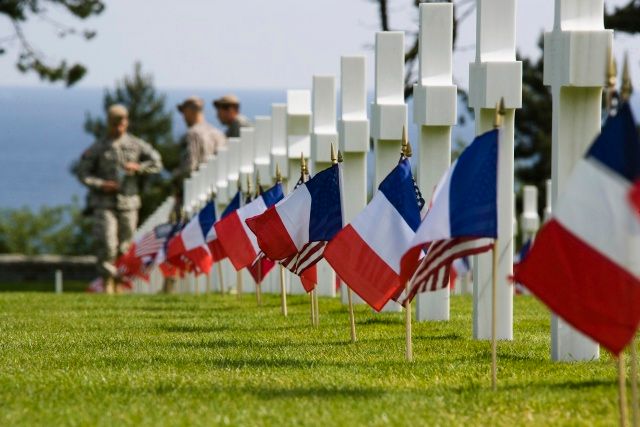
(153, 241)
(433, 271)
(310, 253)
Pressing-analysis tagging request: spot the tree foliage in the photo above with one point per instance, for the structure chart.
(533, 120)
(59, 230)
(30, 58)
(150, 120)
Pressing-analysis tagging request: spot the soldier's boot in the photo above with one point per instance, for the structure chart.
(109, 286)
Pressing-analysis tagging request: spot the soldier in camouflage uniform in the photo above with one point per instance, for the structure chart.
(110, 168)
(201, 140)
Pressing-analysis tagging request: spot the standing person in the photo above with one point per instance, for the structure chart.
(110, 168)
(201, 140)
(228, 109)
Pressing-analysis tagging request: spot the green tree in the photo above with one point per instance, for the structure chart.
(150, 120)
(30, 58)
(59, 230)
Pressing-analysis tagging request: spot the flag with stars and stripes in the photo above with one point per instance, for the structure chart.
(462, 219)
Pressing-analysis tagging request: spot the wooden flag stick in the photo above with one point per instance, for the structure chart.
(196, 285)
(635, 409)
(407, 322)
(239, 283)
(258, 289)
(209, 283)
(316, 307)
(352, 317)
(283, 292)
(220, 278)
(312, 313)
(622, 390)
(494, 342)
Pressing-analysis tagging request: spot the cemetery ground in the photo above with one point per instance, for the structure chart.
(81, 359)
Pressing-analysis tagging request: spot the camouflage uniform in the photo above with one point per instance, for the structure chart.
(115, 214)
(233, 130)
(199, 143)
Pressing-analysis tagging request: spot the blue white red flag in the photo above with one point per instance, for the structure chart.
(462, 219)
(190, 243)
(584, 263)
(215, 247)
(366, 253)
(296, 230)
(237, 240)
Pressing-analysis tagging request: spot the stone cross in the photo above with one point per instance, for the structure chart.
(530, 219)
(496, 74)
(262, 156)
(353, 133)
(279, 141)
(323, 134)
(389, 111)
(298, 131)
(233, 166)
(435, 113)
(576, 54)
(247, 156)
(222, 192)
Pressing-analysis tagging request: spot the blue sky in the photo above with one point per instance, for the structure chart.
(250, 43)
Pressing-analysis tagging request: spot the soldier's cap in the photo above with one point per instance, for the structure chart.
(226, 100)
(191, 102)
(117, 112)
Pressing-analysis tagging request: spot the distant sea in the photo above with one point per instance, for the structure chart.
(41, 134)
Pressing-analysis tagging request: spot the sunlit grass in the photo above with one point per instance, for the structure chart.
(180, 360)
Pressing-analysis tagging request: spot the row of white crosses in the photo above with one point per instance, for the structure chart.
(576, 54)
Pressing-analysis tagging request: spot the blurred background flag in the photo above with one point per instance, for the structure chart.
(237, 240)
(296, 230)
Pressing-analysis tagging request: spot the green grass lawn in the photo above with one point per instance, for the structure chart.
(208, 360)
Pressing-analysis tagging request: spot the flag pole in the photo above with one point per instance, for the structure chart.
(283, 290)
(220, 278)
(304, 173)
(239, 284)
(258, 288)
(316, 307)
(622, 390)
(635, 409)
(494, 342)
(408, 354)
(352, 318)
(497, 124)
(313, 307)
(407, 321)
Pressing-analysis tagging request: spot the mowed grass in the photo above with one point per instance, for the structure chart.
(209, 360)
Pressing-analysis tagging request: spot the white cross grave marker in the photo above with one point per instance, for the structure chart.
(576, 55)
(353, 129)
(388, 111)
(435, 113)
(323, 134)
(496, 74)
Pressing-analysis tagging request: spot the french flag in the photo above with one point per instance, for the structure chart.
(462, 219)
(191, 244)
(215, 247)
(296, 230)
(237, 240)
(585, 261)
(366, 253)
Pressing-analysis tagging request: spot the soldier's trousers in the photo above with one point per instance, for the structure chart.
(112, 230)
